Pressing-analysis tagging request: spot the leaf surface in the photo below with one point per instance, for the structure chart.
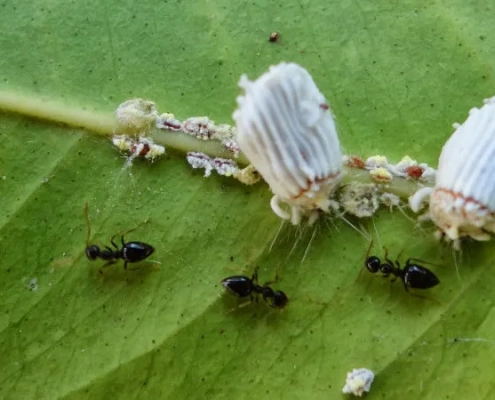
(397, 74)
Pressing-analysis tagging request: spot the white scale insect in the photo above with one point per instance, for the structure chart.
(463, 200)
(287, 132)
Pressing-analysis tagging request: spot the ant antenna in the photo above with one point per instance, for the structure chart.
(122, 234)
(86, 216)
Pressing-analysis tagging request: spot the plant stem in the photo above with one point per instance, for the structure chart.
(105, 124)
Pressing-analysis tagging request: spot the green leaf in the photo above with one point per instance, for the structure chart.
(397, 74)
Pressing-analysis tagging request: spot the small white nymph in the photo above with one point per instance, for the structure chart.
(285, 129)
(358, 381)
(463, 200)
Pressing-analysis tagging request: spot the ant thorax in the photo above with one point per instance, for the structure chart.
(387, 268)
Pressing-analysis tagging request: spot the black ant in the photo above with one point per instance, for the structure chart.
(243, 286)
(412, 275)
(130, 252)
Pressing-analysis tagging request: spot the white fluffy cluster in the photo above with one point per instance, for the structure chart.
(358, 381)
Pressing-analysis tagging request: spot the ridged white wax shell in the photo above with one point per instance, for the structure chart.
(463, 202)
(467, 162)
(286, 131)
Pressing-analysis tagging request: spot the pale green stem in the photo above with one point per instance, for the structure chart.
(105, 124)
(401, 187)
(49, 110)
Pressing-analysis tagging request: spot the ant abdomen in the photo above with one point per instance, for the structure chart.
(238, 285)
(417, 276)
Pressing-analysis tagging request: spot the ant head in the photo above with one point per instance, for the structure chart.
(279, 300)
(387, 268)
(373, 264)
(92, 252)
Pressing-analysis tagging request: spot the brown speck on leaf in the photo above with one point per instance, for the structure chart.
(273, 37)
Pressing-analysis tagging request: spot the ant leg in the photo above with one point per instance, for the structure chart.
(242, 305)
(86, 216)
(422, 262)
(107, 264)
(254, 278)
(389, 260)
(130, 269)
(275, 280)
(113, 243)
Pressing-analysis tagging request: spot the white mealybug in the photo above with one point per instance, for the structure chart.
(136, 115)
(285, 129)
(463, 200)
(358, 381)
(143, 147)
